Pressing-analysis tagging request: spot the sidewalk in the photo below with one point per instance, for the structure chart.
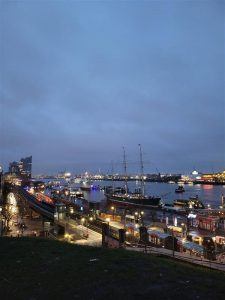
(93, 238)
(181, 256)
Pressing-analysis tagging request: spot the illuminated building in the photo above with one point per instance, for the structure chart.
(216, 178)
(209, 223)
(20, 172)
(1, 183)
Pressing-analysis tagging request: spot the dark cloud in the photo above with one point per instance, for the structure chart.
(80, 80)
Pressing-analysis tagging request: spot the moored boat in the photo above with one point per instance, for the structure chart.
(134, 200)
(180, 189)
(86, 186)
(192, 203)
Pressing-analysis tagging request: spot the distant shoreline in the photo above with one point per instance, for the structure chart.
(145, 180)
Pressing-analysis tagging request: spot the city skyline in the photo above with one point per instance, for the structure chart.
(82, 80)
(16, 166)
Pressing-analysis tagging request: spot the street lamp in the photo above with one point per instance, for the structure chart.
(90, 220)
(208, 208)
(142, 219)
(136, 217)
(113, 210)
(82, 222)
(139, 216)
(183, 226)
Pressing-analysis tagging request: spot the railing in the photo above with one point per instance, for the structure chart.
(177, 255)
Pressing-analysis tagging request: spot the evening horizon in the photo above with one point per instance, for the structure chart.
(81, 80)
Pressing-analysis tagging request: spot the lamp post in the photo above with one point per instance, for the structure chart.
(209, 208)
(136, 217)
(142, 218)
(139, 217)
(184, 230)
(90, 220)
(113, 211)
(82, 222)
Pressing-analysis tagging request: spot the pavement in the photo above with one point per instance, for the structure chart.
(92, 238)
(181, 256)
(31, 227)
(81, 235)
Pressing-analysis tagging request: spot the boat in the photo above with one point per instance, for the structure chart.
(192, 203)
(134, 200)
(180, 189)
(87, 186)
(123, 198)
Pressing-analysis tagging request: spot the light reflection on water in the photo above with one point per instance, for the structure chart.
(208, 194)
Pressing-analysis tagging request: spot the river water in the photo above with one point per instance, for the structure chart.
(208, 194)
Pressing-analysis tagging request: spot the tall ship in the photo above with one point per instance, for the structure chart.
(137, 199)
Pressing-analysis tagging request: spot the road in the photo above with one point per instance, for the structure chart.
(79, 234)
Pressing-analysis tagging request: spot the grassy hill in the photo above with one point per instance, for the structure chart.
(35, 269)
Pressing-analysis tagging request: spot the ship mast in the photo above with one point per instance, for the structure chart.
(142, 172)
(113, 176)
(125, 169)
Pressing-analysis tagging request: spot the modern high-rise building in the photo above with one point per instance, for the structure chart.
(16, 167)
(22, 169)
(27, 166)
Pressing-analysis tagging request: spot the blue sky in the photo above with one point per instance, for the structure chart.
(82, 79)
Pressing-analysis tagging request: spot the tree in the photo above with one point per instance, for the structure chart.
(8, 211)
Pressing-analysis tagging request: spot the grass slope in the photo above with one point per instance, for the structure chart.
(36, 269)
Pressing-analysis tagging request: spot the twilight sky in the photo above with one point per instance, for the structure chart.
(82, 79)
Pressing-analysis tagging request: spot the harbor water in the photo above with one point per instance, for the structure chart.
(208, 194)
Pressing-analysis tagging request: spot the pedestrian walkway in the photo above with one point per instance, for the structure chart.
(180, 256)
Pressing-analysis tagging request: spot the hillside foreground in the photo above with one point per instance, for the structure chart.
(33, 269)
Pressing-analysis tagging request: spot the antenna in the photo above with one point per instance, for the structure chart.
(142, 172)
